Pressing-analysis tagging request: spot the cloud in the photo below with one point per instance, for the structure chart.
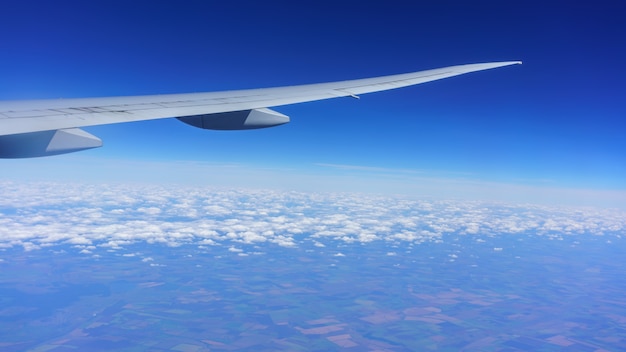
(37, 215)
(150, 210)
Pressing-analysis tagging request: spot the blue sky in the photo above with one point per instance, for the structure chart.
(556, 122)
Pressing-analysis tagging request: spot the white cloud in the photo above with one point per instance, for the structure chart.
(150, 210)
(36, 215)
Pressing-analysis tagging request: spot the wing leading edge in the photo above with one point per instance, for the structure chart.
(22, 122)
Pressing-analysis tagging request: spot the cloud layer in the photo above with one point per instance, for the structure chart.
(35, 215)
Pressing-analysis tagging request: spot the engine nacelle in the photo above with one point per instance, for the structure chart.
(45, 143)
(237, 120)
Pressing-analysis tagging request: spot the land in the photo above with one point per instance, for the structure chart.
(502, 293)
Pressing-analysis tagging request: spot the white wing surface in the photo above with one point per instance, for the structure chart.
(48, 127)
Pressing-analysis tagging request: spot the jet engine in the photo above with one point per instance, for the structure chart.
(45, 143)
(237, 120)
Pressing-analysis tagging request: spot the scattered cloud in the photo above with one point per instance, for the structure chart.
(112, 216)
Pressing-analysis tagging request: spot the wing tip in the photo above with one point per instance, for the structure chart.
(506, 63)
(460, 69)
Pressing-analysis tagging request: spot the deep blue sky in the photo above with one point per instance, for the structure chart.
(557, 120)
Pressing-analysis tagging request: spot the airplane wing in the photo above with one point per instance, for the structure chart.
(48, 127)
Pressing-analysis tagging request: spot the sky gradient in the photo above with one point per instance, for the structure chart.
(554, 124)
(481, 212)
